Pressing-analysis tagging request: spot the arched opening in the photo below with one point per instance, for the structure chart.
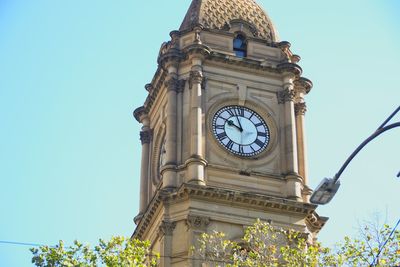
(240, 46)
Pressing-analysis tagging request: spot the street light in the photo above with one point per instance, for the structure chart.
(327, 189)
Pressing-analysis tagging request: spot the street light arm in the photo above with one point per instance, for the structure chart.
(378, 132)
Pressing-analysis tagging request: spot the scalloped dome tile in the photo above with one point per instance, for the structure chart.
(215, 14)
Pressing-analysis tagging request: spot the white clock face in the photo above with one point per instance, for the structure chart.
(241, 130)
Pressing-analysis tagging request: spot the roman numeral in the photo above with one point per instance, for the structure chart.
(252, 149)
(251, 116)
(263, 134)
(220, 127)
(259, 143)
(241, 150)
(229, 144)
(259, 124)
(230, 112)
(222, 136)
(240, 111)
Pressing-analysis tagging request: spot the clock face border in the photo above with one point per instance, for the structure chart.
(255, 143)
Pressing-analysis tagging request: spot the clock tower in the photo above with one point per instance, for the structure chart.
(223, 138)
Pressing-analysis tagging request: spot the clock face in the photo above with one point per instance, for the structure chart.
(241, 130)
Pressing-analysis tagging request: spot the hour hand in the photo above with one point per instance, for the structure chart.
(231, 123)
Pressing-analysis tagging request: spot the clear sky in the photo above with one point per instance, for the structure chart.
(72, 72)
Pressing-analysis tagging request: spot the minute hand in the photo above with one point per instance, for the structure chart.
(237, 118)
(240, 125)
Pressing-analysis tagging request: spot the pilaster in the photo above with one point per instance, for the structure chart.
(302, 87)
(286, 98)
(146, 136)
(165, 233)
(169, 169)
(196, 163)
(196, 225)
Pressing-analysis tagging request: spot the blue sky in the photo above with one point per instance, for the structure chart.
(73, 71)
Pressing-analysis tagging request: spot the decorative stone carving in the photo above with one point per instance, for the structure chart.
(197, 222)
(172, 84)
(300, 109)
(197, 39)
(149, 87)
(196, 77)
(285, 96)
(164, 49)
(146, 136)
(174, 39)
(167, 228)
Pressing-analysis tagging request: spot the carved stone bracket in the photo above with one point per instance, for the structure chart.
(146, 136)
(197, 222)
(196, 77)
(300, 109)
(166, 228)
(285, 96)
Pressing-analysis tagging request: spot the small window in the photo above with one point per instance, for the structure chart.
(240, 46)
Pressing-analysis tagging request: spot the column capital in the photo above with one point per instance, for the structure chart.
(171, 83)
(196, 77)
(300, 109)
(285, 95)
(166, 228)
(146, 136)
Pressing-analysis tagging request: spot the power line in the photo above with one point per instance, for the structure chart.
(384, 244)
(20, 243)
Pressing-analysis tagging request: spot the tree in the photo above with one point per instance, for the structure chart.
(119, 251)
(376, 245)
(264, 245)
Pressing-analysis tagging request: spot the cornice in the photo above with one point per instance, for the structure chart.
(290, 68)
(233, 197)
(196, 49)
(303, 83)
(139, 112)
(235, 62)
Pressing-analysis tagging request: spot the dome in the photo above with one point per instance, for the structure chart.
(219, 14)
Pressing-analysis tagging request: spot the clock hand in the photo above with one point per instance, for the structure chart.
(240, 125)
(231, 123)
(237, 118)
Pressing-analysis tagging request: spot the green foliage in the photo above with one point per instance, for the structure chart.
(362, 251)
(264, 245)
(119, 251)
